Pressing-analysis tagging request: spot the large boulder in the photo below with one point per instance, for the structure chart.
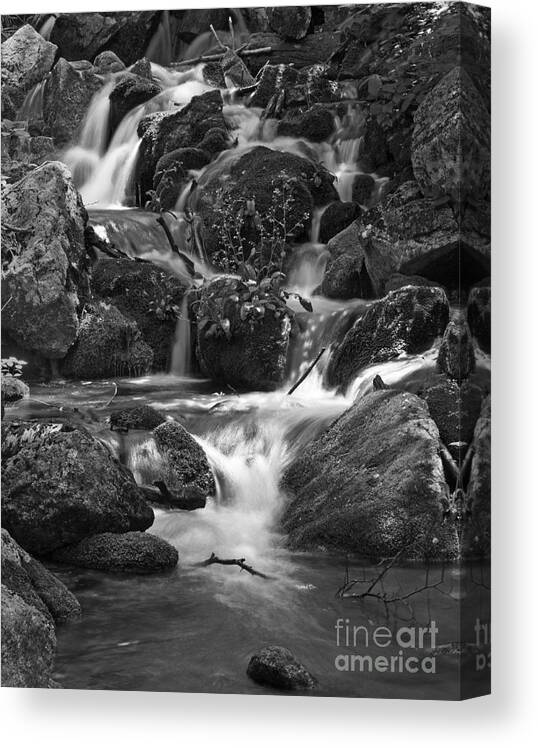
(187, 466)
(479, 315)
(335, 218)
(302, 87)
(28, 578)
(454, 408)
(28, 643)
(246, 356)
(450, 149)
(141, 417)
(129, 92)
(68, 92)
(145, 294)
(108, 344)
(456, 353)
(477, 535)
(372, 484)
(291, 23)
(13, 389)
(276, 667)
(44, 261)
(129, 552)
(26, 60)
(346, 273)
(61, 485)
(315, 124)
(108, 62)
(405, 321)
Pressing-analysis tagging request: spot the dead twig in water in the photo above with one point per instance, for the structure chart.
(307, 372)
(213, 559)
(219, 55)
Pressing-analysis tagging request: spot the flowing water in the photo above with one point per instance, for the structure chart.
(194, 629)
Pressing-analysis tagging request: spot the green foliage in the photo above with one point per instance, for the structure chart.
(164, 308)
(12, 366)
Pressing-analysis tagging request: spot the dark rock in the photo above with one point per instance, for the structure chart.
(291, 23)
(171, 173)
(194, 22)
(456, 354)
(374, 150)
(129, 92)
(45, 287)
(28, 644)
(28, 578)
(248, 358)
(316, 124)
(276, 667)
(66, 98)
(108, 62)
(302, 87)
(134, 552)
(337, 217)
(187, 460)
(108, 344)
(142, 417)
(139, 290)
(477, 536)
(26, 60)
(346, 274)
(372, 484)
(398, 280)
(213, 75)
(62, 485)
(236, 73)
(13, 389)
(451, 140)
(363, 189)
(479, 315)
(454, 409)
(404, 321)
(314, 49)
(142, 68)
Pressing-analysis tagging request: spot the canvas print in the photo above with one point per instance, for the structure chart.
(246, 350)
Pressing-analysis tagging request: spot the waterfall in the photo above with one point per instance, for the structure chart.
(307, 269)
(181, 349)
(32, 107)
(160, 46)
(46, 28)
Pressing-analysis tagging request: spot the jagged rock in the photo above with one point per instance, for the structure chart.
(454, 408)
(171, 173)
(145, 294)
(316, 124)
(142, 68)
(26, 60)
(248, 358)
(456, 353)
(129, 92)
(213, 75)
(346, 273)
(163, 132)
(276, 667)
(13, 389)
(477, 537)
(28, 644)
(302, 87)
(28, 578)
(142, 417)
(108, 344)
(45, 267)
(61, 485)
(363, 189)
(337, 217)
(186, 458)
(382, 496)
(108, 62)
(451, 140)
(236, 73)
(374, 150)
(130, 552)
(398, 280)
(292, 22)
(479, 315)
(67, 96)
(404, 321)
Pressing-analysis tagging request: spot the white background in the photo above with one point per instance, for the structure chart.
(82, 719)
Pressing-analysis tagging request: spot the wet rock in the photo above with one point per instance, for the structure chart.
(172, 173)
(45, 267)
(456, 353)
(374, 150)
(398, 280)
(142, 417)
(13, 389)
(382, 496)
(302, 87)
(28, 644)
(316, 124)
(314, 49)
(193, 22)
(236, 73)
(129, 92)
(290, 23)
(248, 358)
(145, 294)
(404, 321)
(213, 75)
(451, 140)
(337, 217)
(108, 62)
(28, 578)
(454, 409)
(61, 485)
(479, 315)
(108, 344)
(276, 667)
(164, 132)
(363, 189)
(67, 96)
(187, 460)
(130, 552)
(41, 149)
(346, 274)
(26, 60)
(142, 68)
(477, 537)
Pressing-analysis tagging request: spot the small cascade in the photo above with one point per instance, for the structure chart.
(160, 46)
(392, 372)
(308, 266)
(181, 350)
(32, 107)
(46, 28)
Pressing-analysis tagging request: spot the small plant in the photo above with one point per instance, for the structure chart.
(165, 309)
(12, 366)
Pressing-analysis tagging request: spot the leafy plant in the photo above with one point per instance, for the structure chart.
(164, 309)
(12, 366)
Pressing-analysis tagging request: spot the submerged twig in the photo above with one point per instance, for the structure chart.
(307, 372)
(213, 559)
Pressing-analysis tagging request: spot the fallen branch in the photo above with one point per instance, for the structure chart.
(215, 57)
(187, 260)
(307, 372)
(213, 559)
